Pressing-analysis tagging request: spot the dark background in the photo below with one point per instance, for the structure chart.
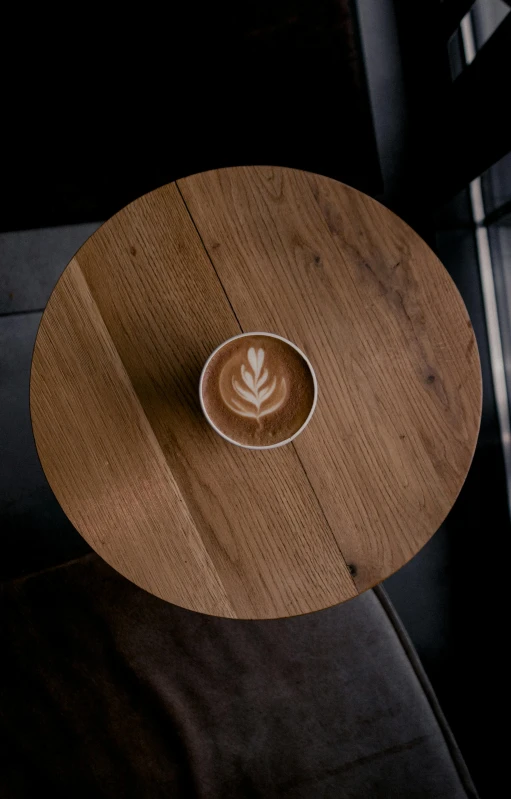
(163, 95)
(97, 111)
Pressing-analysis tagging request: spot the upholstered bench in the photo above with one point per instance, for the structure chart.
(110, 692)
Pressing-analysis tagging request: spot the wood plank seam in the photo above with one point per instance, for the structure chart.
(215, 539)
(209, 257)
(154, 438)
(348, 567)
(217, 217)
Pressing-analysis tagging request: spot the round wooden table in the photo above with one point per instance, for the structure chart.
(164, 499)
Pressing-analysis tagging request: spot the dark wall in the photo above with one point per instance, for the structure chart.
(107, 112)
(460, 127)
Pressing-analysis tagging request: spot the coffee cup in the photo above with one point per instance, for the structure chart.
(258, 390)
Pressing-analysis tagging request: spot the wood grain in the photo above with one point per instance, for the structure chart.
(146, 278)
(105, 462)
(170, 504)
(387, 332)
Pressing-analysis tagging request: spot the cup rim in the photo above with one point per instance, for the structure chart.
(261, 446)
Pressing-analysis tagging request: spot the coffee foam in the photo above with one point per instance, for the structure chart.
(258, 390)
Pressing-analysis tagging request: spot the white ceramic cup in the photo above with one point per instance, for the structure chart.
(279, 443)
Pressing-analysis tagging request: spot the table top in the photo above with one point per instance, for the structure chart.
(164, 499)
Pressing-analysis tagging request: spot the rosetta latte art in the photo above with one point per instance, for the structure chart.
(257, 390)
(258, 393)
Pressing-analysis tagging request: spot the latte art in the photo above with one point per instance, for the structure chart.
(258, 396)
(258, 390)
